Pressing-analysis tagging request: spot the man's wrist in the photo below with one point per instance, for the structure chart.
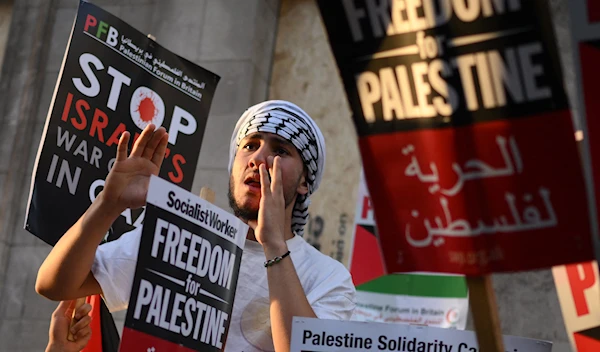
(274, 248)
(109, 208)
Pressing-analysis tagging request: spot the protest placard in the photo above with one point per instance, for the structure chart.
(321, 335)
(578, 290)
(416, 298)
(113, 79)
(420, 299)
(465, 133)
(186, 273)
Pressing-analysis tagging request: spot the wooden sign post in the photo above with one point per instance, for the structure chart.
(207, 194)
(482, 301)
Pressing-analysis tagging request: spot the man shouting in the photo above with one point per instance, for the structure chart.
(277, 156)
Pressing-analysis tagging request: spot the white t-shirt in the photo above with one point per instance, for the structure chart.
(326, 283)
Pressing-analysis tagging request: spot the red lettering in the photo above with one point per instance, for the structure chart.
(366, 207)
(78, 105)
(114, 137)
(90, 21)
(67, 108)
(580, 284)
(99, 123)
(167, 152)
(178, 160)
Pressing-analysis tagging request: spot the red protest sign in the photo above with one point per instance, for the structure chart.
(496, 222)
(465, 134)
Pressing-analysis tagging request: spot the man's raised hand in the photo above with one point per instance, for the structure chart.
(269, 228)
(127, 182)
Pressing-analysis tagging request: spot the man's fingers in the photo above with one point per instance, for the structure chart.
(153, 143)
(82, 311)
(142, 141)
(122, 147)
(86, 330)
(276, 180)
(265, 183)
(159, 152)
(270, 160)
(82, 337)
(82, 323)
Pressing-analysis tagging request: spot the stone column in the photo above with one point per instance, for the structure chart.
(232, 38)
(305, 73)
(6, 7)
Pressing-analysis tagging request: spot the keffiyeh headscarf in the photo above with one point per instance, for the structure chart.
(290, 122)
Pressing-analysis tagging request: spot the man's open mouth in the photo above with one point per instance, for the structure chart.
(253, 181)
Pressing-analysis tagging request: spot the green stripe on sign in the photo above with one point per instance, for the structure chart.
(446, 286)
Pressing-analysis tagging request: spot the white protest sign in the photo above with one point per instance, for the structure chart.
(392, 308)
(186, 273)
(320, 335)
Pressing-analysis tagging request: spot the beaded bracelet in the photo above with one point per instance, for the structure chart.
(276, 260)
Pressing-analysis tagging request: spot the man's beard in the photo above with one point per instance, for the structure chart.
(245, 212)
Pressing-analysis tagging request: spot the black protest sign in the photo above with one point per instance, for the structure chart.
(186, 274)
(113, 79)
(435, 64)
(464, 131)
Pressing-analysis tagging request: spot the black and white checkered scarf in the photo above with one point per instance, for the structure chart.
(290, 122)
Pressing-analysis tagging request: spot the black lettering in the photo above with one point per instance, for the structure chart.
(329, 340)
(171, 201)
(382, 342)
(307, 335)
